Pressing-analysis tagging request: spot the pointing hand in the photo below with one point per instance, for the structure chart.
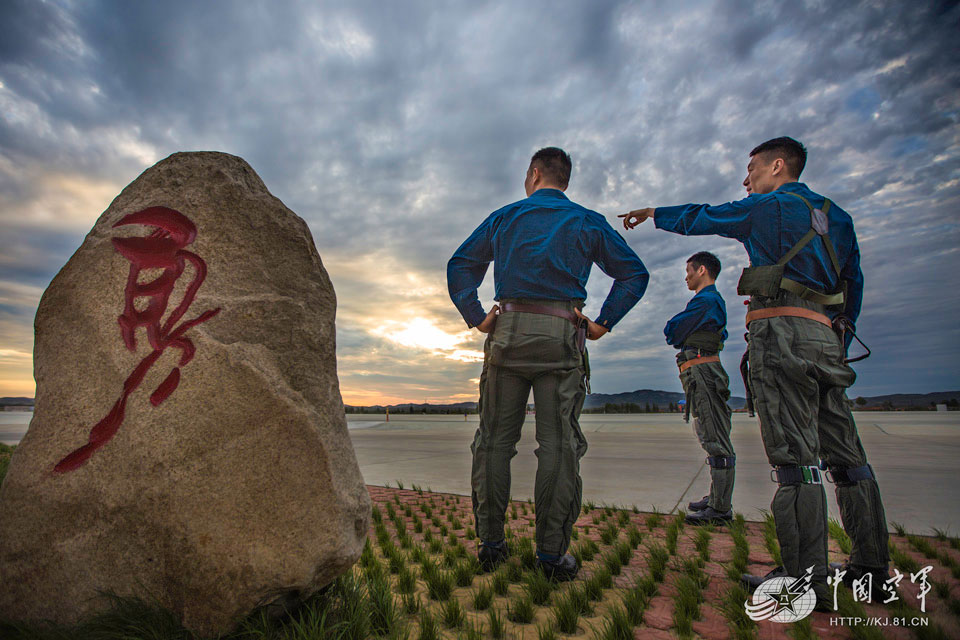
(635, 217)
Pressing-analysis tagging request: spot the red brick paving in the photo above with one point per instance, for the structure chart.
(658, 618)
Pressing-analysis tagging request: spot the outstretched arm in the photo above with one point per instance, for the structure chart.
(730, 220)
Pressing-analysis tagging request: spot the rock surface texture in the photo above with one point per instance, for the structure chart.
(189, 443)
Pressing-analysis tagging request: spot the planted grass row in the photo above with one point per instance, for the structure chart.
(731, 603)
(352, 608)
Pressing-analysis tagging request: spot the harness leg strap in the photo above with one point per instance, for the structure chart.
(846, 476)
(796, 474)
(722, 462)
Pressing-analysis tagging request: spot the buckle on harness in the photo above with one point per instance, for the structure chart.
(796, 475)
(841, 325)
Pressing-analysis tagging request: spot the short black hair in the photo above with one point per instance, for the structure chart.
(554, 164)
(708, 260)
(794, 154)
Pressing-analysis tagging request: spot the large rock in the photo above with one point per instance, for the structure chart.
(212, 483)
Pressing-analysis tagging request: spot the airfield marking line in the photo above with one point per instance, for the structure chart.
(396, 460)
(881, 428)
(915, 438)
(692, 480)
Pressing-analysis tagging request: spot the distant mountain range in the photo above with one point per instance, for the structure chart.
(643, 397)
(16, 402)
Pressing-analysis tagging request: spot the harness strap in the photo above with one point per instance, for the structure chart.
(704, 341)
(850, 475)
(542, 309)
(796, 474)
(795, 312)
(822, 232)
(818, 226)
(699, 360)
(807, 293)
(722, 462)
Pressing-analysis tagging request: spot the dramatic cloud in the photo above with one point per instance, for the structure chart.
(395, 128)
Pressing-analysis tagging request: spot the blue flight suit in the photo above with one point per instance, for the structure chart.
(542, 248)
(697, 331)
(706, 311)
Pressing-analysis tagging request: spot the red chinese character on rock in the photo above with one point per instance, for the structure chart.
(162, 249)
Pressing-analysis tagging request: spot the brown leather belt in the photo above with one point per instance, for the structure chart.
(795, 312)
(542, 309)
(698, 360)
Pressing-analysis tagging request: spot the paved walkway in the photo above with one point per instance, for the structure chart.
(654, 461)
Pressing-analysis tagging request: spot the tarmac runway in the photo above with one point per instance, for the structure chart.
(654, 460)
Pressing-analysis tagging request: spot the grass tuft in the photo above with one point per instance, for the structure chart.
(616, 625)
(611, 562)
(520, 610)
(538, 587)
(701, 543)
(513, 570)
(500, 582)
(498, 628)
(463, 573)
(838, 534)
(566, 611)
(686, 605)
(635, 602)
(384, 616)
(770, 537)
(452, 613)
(482, 597)
(609, 533)
(546, 632)
(428, 626)
(731, 606)
(411, 603)
(673, 534)
(657, 562)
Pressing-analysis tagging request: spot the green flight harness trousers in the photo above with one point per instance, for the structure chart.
(799, 381)
(524, 351)
(707, 389)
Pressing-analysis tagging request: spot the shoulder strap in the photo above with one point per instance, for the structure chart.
(825, 237)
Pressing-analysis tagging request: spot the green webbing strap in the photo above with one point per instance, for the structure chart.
(809, 294)
(795, 287)
(827, 243)
(709, 340)
(795, 249)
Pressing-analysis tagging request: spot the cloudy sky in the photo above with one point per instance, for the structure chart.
(394, 128)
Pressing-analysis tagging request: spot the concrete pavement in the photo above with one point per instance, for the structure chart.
(654, 460)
